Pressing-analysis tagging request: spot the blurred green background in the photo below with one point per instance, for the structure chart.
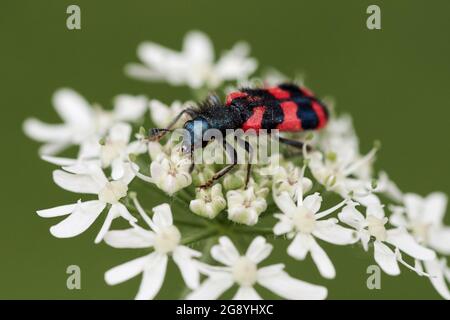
(393, 81)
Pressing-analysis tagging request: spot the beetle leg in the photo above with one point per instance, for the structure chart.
(294, 143)
(229, 148)
(155, 134)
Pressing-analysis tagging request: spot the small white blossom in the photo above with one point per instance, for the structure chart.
(423, 217)
(165, 239)
(288, 178)
(171, 174)
(340, 167)
(117, 147)
(245, 206)
(208, 202)
(169, 170)
(113, 152)
(373, 225)
(89, 179)
(303, 222)
(79, 127)
(244, 272)
(194, 65)
(84, 124)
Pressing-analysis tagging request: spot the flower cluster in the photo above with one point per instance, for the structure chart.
(283, 197)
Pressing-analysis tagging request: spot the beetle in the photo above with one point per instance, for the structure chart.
(286, 107)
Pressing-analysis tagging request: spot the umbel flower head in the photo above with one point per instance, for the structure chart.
(220, 234)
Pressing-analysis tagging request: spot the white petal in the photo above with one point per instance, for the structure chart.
(120, 132)
(130, 238)
(283, 226)
(59, 161)
(211, 288)
(414, 205)
(322, 261)
(285, 203)
(258, 250)
(72, 107)
(225, 252)
(187, 265)
(124, 213)
(129, 108)
(117, 169)
(76, 182)
(352, 217)
(129, 172)
(141, 72)
(435, 206)
(112, 214)
(313, 202)
(90, 148)
(289, 288)
(57, 211)
(329, 231)
(398, 219)
(435, 269)
(81, 219)
(125, 271)
(153, 55)
(299, 247)
(246, 293)
(368, 200)
(153, 276)
(162, 217)
(44, 132)
(198, 47)
(53, 148)
(386, 258)
(406, 243)
(375, 210)
(234, 64)
(440, 240)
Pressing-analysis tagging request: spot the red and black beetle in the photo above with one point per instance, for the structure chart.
(286, 107)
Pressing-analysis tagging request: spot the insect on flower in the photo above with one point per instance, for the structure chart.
(286, 107)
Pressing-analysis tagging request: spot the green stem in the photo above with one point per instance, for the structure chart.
(199, 236)
(254, 230)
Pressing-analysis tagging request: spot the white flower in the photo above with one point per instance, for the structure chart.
(341, 167)
(88, 179)
(169, 170)
(116, 148)
(113, 152)
(373, 225)
(171, 174)
(423, 217)
(164, 238)
(245, 206)
(244, 271)
(162, 114)
(83, 124)
(194, 65)
(208, 202)
(304, 223)
(288, 178)
(79, 127)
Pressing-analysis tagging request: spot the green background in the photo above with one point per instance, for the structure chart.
(393, 81)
